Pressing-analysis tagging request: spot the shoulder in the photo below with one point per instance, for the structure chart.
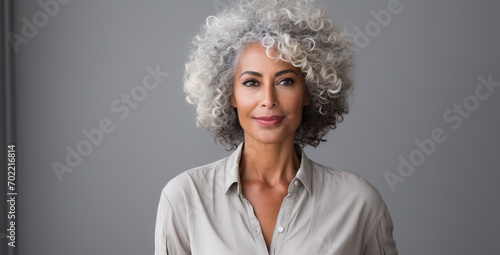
(190, 182)
(349, 195)
(345, 186)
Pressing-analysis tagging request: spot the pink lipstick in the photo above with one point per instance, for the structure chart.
(269, 120)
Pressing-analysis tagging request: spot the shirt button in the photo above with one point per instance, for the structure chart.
(280, 229)
(296, 182)
(257, 231)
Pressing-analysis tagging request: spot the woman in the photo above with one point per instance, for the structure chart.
(268, 78)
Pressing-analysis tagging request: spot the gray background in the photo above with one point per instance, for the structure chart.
(427, 59)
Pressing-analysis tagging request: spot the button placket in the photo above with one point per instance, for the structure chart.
(283, 222)
(254, 223)
(255, 227)
(257, 231)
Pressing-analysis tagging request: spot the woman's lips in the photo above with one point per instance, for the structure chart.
(269, 120)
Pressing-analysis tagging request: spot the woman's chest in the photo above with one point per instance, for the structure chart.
(266, 204)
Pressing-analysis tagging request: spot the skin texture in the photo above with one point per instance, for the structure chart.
(266, 87)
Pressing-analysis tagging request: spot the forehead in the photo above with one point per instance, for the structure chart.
(254, 58)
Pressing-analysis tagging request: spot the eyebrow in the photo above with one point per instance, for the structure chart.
(275, 75)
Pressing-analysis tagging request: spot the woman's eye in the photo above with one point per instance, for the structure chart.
(250, 83)
(286, 82)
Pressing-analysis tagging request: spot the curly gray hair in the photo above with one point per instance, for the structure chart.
(303, 35)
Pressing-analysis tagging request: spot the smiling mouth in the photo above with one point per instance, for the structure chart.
(269, 120)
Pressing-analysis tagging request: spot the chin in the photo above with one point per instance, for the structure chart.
(269, 138)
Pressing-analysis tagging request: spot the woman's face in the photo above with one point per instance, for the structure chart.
(269, 96)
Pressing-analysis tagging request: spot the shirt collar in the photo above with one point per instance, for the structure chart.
(232, 173)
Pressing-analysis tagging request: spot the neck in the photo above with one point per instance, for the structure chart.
(269, 164)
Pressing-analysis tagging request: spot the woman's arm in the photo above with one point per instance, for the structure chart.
(170, 232)
(382, 242)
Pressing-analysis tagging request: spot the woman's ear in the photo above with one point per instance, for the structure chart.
(307, 101)
(233, 102)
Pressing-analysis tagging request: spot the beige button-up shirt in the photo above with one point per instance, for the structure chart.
(326, 211)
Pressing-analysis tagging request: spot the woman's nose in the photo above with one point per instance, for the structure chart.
(269, 97)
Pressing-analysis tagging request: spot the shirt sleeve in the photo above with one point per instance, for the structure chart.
(171, 236)
(382, 242)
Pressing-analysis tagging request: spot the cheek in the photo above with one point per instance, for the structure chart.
(244, 103)
(294, 102)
